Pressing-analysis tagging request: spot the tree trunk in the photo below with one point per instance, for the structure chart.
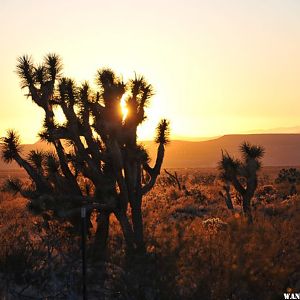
(138, 228)
(102, 233)
(293, 189)
(65, 168)
(228, 196)
(247, 208)
(126, 229)
(136, 211)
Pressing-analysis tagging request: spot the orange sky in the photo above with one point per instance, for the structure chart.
(218, 67)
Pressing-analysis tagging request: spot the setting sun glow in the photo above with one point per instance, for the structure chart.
(124, 106)
(217, 67)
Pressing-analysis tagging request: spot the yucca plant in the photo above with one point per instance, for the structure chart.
(36, 158)
(242, 174)
(291, 176)
(97, 160)
(11, 151)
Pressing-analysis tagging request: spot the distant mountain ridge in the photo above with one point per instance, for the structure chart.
(281, 150)
(278, 130)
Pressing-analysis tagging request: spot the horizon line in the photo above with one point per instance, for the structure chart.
(201, 139)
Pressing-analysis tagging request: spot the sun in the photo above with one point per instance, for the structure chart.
(124, 108)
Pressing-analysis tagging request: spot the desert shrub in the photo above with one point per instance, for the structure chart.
(199, 178)
(198, 195)
(217, 255)
(38, 257)
(236, 263)
(213, 254)
(289, 177)
(265, 194)
(173, 193)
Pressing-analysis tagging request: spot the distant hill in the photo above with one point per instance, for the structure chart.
(281, 150)
(278, 130)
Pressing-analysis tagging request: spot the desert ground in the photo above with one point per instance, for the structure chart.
(196, 247)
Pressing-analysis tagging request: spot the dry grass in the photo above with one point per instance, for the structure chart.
(197, 249)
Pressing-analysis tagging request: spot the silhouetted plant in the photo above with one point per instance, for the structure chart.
(226, 194)
(96, 145)
(242, 174)
(291, 176)
(173, 179)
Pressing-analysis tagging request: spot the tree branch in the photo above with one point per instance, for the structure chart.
(155, 171)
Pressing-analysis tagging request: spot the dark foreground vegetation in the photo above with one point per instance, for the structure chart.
(196, 247)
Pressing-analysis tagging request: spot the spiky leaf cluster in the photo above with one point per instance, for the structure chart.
(140, 93)
(251, 151)
(12, 185)
(163, 132)
(228, 166)
(251, 162)
(36, 158)
(11, 146)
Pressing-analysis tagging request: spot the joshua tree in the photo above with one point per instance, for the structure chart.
(292, 176)
(242, 174)
(97, 160)
(226, 189)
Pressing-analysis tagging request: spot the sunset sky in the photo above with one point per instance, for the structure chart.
(218, 66)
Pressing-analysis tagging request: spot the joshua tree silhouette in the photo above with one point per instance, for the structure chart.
(292, 176)
(242, 174)
(97, 160)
